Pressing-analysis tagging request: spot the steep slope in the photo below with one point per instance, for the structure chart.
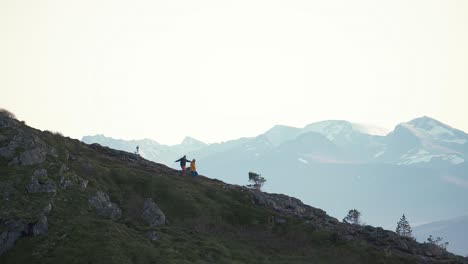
(149, 149)
(66, 202)
(336, 164)
(453, 231)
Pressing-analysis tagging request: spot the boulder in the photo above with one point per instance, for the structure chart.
(83, 184)
(278, 220)
(152, 214)
(7, 240)
(47, 209)
(15, 229)
(40, 183)
(41, 227)
(35, 150)
(104, 207)
(65, 183)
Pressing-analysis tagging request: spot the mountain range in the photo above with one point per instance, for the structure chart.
(418, 168)
(63, 201)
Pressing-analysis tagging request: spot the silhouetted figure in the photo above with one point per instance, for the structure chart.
(183, 161)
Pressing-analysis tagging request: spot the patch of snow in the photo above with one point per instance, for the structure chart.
(458, 141)
(379, 154)
(438, 130)
(330, 128)
(417, 159)
(422, 152)
(303, 160)
(424, 156)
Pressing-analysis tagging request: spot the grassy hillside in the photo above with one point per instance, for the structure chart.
(207, 221)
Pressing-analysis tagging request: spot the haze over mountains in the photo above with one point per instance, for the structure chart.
(418, 168)
(452, 230)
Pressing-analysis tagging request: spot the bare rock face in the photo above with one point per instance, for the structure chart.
(41, 227)
(7, 119)
(34, 150)
(104, 207)
(15, 229)
(40, 183)
(83, 184)
(152, 214)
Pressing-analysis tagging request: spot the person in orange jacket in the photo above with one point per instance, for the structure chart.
(193, 168)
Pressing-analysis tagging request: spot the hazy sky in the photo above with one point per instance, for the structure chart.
(218, 70)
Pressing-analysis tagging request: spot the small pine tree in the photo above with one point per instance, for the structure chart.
(438, 242)
(403, 228)
(137, 150)
(257, 181)
(353, 217)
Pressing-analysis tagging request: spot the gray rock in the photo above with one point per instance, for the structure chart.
(152, 214)
(7, 120)
(35, 150)
(15, 229)
(83, 184)
(104, 207)
(152, 235)
(41, 227)
(31, 157)
(7, 240)
(278, 220)
(403, 246)
(40, 183)
(65, 183)
(16, 225)
(47, 209)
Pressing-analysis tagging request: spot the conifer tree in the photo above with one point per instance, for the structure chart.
(257, 180)
(403, 228)
(353, 217)
(438, 242)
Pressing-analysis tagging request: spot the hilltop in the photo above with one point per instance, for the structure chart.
(383, 174)
(62, 201)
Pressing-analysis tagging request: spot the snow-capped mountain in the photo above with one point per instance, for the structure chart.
(425, 140)
(337, 165)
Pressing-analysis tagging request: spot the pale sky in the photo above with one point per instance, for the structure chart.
(218, 70)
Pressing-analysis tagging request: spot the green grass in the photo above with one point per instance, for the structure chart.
(207, 224)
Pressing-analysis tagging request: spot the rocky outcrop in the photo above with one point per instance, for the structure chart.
(26, 149)
(41, 227)
(15, 229)
(152, 214)
(104, 207)
(291, 206)
(83, 184)
(40, 183)
(68, 180)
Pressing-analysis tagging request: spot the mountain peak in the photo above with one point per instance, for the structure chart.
(191, 141)
(426, 122)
